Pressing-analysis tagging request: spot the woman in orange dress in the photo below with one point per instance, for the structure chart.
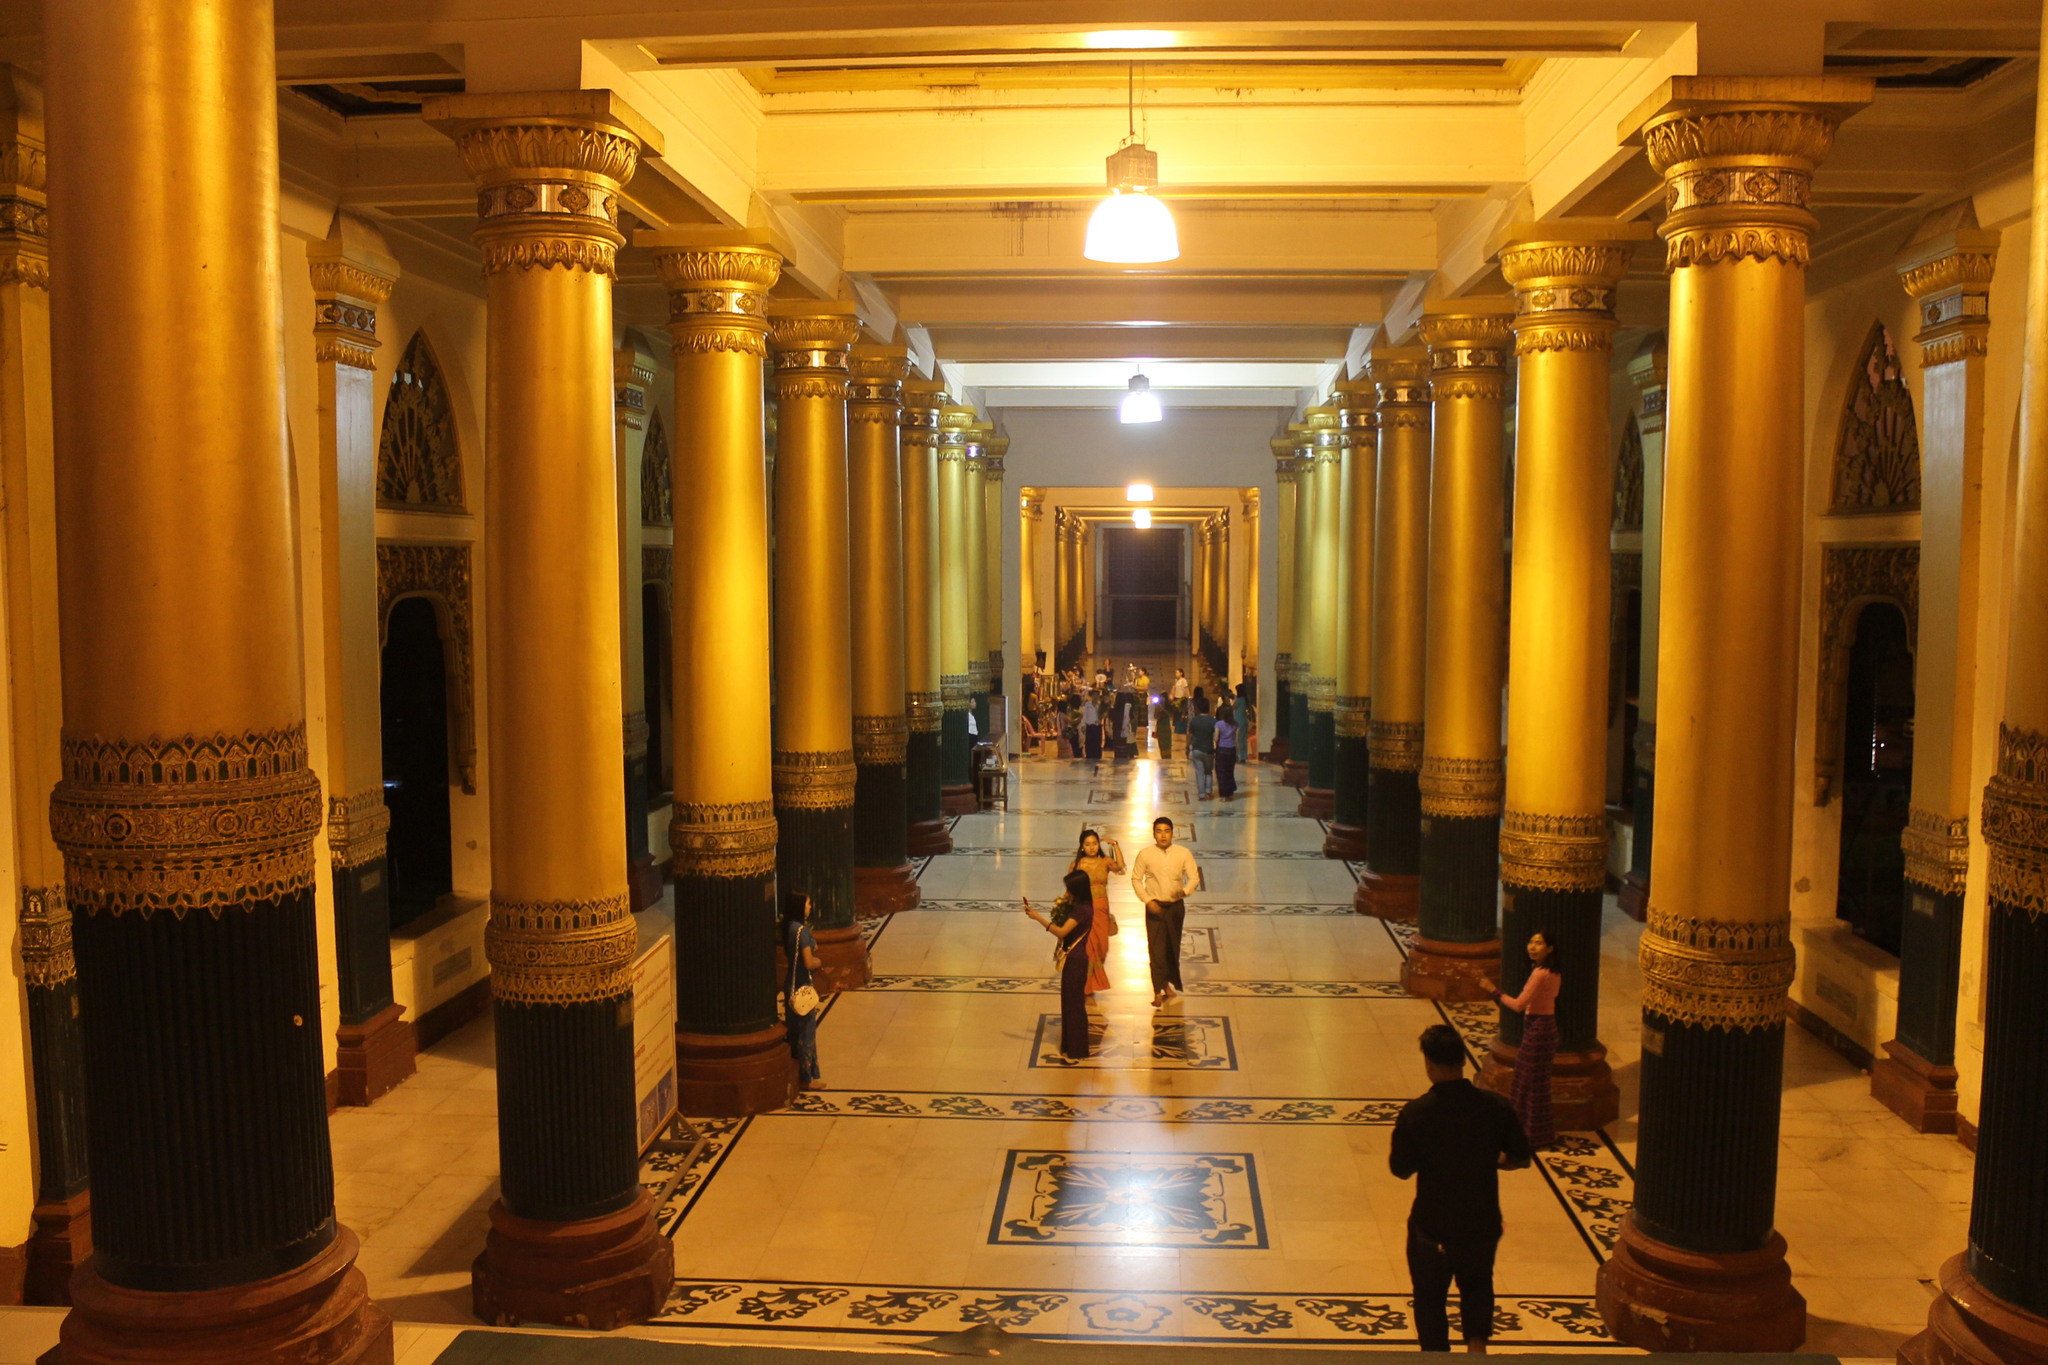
(1090, 858)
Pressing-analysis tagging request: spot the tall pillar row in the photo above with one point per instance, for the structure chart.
(1322, 449)
(1030, 537)
(994, 450)
(974, 521)
(732, 1051)
(1949, 277)
(1357, 496)
(1298, 443)
(1553, 828)
(1390, 884)
(1699, 1266)
(572, 1236)
(1457, 943)
(959, 509)
(883, 879)
(1279, 706)
(923, 611)
(185, 806)
(1992, 1306)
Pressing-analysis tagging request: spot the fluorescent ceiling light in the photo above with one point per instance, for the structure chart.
(1138, 492)
(1140, 404)
(1141, 517)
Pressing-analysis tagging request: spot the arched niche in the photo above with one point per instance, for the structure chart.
(1853, 577)
(441, 574)
(419, 464)
(1877, 444)
(657, 499)
(1628, 478)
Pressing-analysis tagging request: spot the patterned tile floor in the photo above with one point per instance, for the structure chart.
(945, 1177)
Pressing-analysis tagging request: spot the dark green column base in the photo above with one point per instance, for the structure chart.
(727, 937)
(566, 1141)
(1459, 858)
(1348, 800)
(814, 855)
(1707, 1163)
(1393, 816)
(2009, 1207)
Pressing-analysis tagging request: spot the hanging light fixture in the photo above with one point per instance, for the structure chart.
(1141, 517)
(1140, 404)
(1131, 227)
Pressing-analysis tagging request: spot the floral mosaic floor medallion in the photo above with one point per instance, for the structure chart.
(1193, 1042)
(1185, 1200)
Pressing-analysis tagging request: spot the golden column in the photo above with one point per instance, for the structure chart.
(1357, 496)
(732, 1051)
(1391, 883)
(959, 511)
(1300, 443)
(1457, 943)
(351, 278)
(1698, 1266)
(883, 879)
(633, 375)
(1030, 534)
(1323, 448)
(813, 721)
(1950, 276)
(923, 756)
(1287, 476)
(1993, 1305)
(974, 515)
(187, 807)
(1248, 646)
(1646, 370)
(992, 567)
(561, 938)
(1553, 834)
(62, 1236)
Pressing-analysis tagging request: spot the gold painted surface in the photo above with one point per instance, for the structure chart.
(1400, 579)
(1546, 852)
(1323, 448)
(1465, 646)
(357, 826)
(1727, 666)
(1288, 478)
(730, 839)
(881, 741)
(813, 629)
(47, 960)
(922, 400)
(1564, 276)
(2016, 821)
(959, 501)
(718, 283)
(1937, 850)
(992, 553)
(563, 952)
(875, 536)
(1306, 590)
(814, 781)
(974, 517)
(1396, 745)
(1358, 499)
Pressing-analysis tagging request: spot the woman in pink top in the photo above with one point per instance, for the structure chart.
(1537, 1004)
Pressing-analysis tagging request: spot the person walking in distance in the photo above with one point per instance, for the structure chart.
(1455, 1141)
(1163, 875)
(1226, 752)
(1202, 749)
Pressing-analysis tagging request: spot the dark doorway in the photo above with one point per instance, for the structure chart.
(1625, 682)
(1143, 584)
(415, 701)
(657, 677)
(1877, 775)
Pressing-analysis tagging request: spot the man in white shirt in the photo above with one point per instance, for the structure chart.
(1163, 875)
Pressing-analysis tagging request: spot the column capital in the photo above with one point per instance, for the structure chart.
(923, 401)
(718, 281)
(992, 462)
(1649, 371)
(1737, 154)
(24, 181)
(955, 435)
(1564, 276)
(1401, 374)
(1323, 436)
(1357, 403)
(878, 373)
(632, 376)
(1286, 469)
(810, 340)
(1468, 347)
(549, 167)
(1949, 273)
(1032, 501)
(352, 277)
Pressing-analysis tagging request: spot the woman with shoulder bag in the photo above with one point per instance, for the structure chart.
(800, 1003)
(1073, 919)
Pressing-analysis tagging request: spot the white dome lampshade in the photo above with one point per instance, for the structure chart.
(1131, 227)
(1141, 517)
(1140, 404)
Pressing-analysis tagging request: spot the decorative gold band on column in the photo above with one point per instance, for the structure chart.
(1283, 666)
(1726, 974)
(346, 296)
(1937, 851)
(811, 352)
(560, 952)
(880, 741)
(955, 690)
(1950, 278)
(1553, 852)
(813, 780)
(193, 823)
(1462, 788)
(638, 735)
(977, 675)
(356, 828)
(876, 392)
(24, 214)
(1322, 693)
(1564, 293)
(2016, 821)
(733, 840)
(1395, 746)
(1353, 717)
(926, 712)
(718, 297)
(46, 959)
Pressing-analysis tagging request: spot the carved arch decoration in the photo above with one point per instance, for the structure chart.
(657, 499)
(658, 565)
(440, 574)
(1877, 450)
(419, 466)
(1628, 479)
(1853, 577)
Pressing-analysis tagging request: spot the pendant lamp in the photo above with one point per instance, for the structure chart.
(1131, 227)
(1140, 404)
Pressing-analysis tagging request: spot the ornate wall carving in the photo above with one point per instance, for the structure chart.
(418, 465)
(1628, 479)
(1877, 453)
(1853, 577)
(441, 574)
(656, 498)
(658, 565)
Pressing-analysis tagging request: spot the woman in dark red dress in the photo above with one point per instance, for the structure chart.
(1072, 956)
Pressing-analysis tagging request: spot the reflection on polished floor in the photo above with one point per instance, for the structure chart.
(1218, 1174)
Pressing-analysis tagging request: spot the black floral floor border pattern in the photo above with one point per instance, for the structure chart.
(1173, 1316)
(1186, 1042)
(1197, 907)
(1223, 854)
(1002, 1105)
(1046, 985)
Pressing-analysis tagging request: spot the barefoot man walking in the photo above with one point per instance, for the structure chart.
(1162, 875)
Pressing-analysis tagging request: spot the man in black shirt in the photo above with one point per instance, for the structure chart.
(1455, 1140)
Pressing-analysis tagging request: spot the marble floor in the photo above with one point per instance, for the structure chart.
(1218, 1174)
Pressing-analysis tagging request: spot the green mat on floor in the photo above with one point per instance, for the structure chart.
(521, 1348)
